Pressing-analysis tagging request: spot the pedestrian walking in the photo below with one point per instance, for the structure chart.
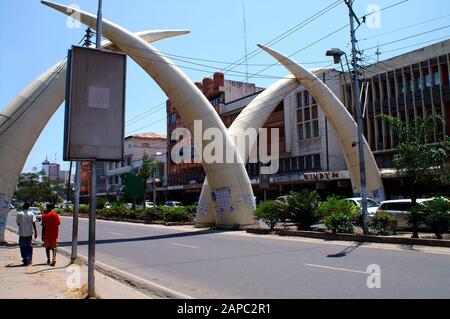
(26, 221)
(51, 222)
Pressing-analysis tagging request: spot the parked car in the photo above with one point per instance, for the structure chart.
(107, 205)
(37, 212)
(398, 209)
(149, 204)
(372, 205)
(173, 204)
(282, 198)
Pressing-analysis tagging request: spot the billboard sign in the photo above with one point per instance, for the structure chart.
(95, 105)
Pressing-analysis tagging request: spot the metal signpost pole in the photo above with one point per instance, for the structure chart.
(93, 199)
(92, 208)
(76, 210)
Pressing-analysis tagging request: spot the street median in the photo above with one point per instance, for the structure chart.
(353, 237)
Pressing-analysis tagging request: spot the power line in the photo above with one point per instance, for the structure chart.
(283, 35)
(407, 38)
(405, 28)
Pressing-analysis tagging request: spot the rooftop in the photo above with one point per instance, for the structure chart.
(149, 135)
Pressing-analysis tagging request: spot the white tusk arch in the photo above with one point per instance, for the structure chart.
(24, 118)
(342, 122)
(254, 115)
(229, 177)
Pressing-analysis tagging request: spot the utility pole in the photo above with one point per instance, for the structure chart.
(362, 166)
(93, 188)
(76, 198)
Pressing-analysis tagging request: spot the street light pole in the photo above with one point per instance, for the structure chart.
(362, 166)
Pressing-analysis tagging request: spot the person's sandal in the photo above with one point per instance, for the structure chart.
(53, 263)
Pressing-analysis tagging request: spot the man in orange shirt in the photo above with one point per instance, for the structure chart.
(51, 222)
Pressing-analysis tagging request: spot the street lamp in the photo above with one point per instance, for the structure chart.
(337, 54)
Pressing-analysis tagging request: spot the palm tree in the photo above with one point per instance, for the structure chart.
(148, 169)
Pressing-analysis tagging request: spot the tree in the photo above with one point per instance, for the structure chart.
(270, 212)
(36, 188)
(148, 169)
(302, 209)
(418, 157)
(133, 187)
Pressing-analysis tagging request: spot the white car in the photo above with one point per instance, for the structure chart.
(149, 204)
(173, 204)
(371, 205)
(398, 209)
(37, 212)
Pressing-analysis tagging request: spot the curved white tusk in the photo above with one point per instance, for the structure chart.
(254, 115)
(342, 122)
(192, 105)
(24, 118)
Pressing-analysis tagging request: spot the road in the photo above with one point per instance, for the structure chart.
(215, 264)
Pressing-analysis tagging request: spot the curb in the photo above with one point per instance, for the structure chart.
(135, 221)
(352, 237)
(144, 286)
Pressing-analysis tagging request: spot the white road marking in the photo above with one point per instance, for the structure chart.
(341, 269)
(182, 245)
(118, 234)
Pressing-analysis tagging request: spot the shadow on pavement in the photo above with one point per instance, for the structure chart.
(47, 269)
(346, 251)
(147, 238)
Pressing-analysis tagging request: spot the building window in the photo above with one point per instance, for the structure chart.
(299, 100)
(116, 180)
(146, 145)
(317, 163)
(427, 81)
(129, 161)
(436, 78)
(307, 118)
(172, 118)
(308, 162)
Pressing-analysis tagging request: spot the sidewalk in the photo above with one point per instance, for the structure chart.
(40, 281)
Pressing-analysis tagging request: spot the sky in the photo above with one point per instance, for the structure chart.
(34, 37)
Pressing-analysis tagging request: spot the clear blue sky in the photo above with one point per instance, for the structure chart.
(34, 37)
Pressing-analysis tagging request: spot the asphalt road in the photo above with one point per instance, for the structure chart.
(214, 264)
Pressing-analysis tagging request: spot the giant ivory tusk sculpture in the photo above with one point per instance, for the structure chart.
(254, 115)
(229, 181)
(342, 122)
(23, 120)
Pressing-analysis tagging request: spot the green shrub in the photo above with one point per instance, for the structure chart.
(84, 209)
(339, 214)
(437, 216)
(177, 214)
(302, 209)
(340, 222)
(415, 217)
(101, 202)
(68, 209)
(270, 212)
(381, 224)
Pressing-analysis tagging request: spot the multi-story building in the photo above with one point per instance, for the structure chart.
(153, 144)
(186, 179)
(407, 87)
(52, 171)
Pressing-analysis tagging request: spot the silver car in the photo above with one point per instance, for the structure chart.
(398, 209)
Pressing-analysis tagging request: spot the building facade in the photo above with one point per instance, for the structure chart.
(406, 87)
(153, 144)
